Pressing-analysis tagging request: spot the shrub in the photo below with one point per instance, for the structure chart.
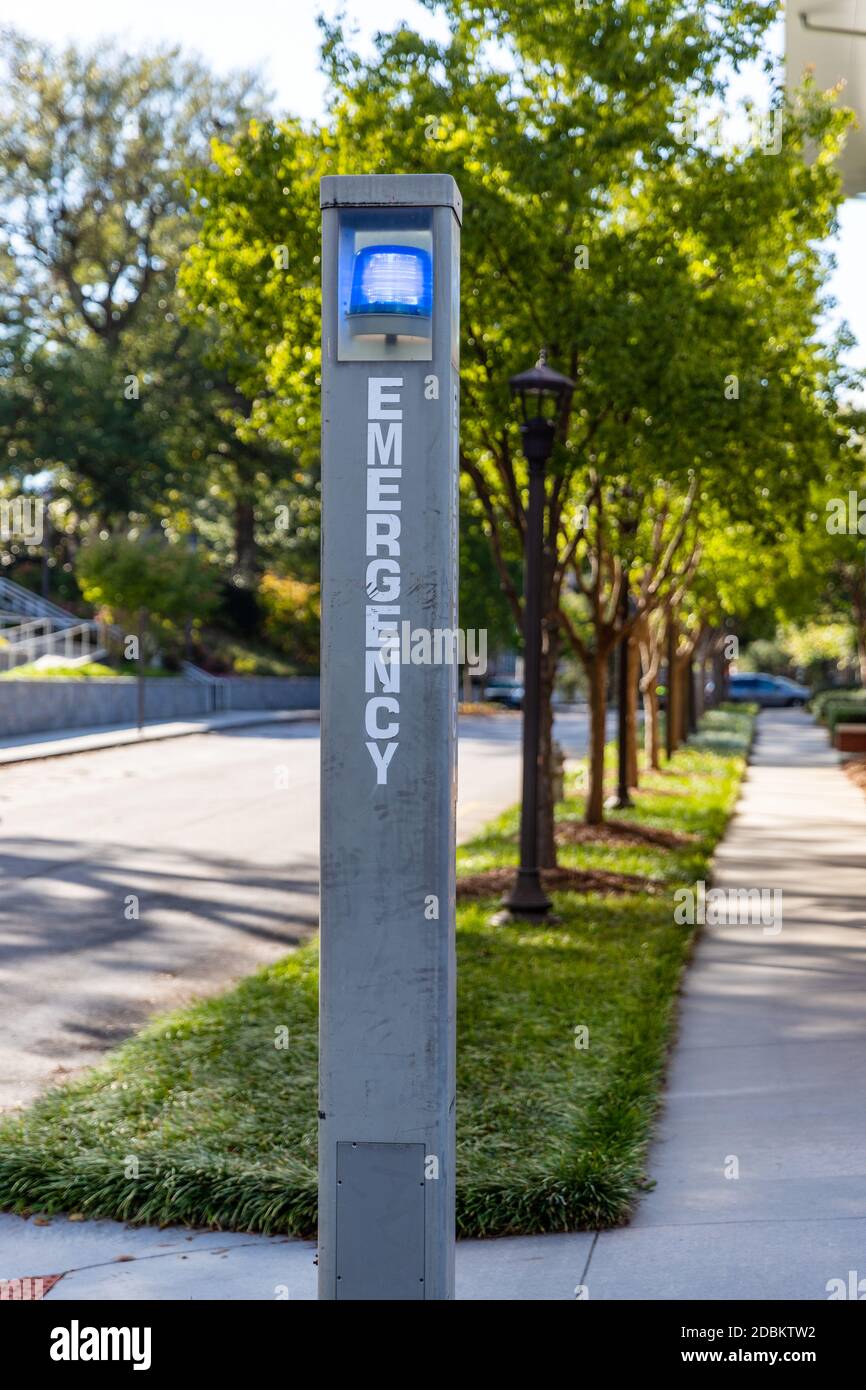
(125, 578)
(826, 700)
(845, 714)
(292, 612)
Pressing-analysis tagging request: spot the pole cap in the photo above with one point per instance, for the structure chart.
(391, 191)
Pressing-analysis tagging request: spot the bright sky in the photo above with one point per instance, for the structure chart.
(282, 40)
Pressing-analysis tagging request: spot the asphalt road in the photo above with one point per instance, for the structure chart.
(133, 879)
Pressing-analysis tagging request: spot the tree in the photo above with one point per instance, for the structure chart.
(826, 561)
(104, 385)
(292, 616)
(135, 581)
(93, 147)
(659, 275)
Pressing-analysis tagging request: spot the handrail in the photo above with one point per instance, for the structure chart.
(25, 632)
(196, 673)
(28, 602)
(56, 643)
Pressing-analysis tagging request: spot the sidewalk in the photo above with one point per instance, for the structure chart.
(58, 743)
(770, 1064)
(768, 1070)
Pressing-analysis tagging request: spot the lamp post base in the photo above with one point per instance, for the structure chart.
(527, 901)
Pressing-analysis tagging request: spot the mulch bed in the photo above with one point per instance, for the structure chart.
(855, 768)
(618, 832)
(493, 882)
(29, 1289)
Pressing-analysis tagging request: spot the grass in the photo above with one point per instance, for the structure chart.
(202, 1119)
(91, 670)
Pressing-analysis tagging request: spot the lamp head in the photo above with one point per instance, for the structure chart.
(541, 392)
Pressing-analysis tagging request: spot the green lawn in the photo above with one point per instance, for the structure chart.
(91, 670)
(201, 1119)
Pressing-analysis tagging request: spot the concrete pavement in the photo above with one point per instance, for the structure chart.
(759, 1161)
(760, 1157)
(102, 1260)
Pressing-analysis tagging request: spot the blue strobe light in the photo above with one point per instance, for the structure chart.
(392, 291)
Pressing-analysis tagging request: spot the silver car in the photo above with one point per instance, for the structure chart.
(760, 689)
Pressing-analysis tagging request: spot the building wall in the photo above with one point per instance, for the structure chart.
(33, 706)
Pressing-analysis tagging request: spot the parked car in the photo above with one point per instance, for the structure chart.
(760, 689)
(506, 692)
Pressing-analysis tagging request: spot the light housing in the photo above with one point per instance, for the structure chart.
(543, 396)
(541, 392)
(386, 284)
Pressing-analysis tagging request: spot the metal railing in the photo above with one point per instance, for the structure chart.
(216, 685)
(32, 626)
(20, 600)
(81, 643)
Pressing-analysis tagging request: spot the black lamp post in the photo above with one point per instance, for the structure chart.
(627, 528)
(542, 395)
(669, 713)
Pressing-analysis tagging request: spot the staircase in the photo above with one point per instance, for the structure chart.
(32, 627)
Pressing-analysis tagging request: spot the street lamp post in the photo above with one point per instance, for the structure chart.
(542, 395)
(669, 714)
(627, 527)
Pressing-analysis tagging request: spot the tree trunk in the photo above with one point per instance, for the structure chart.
(597, 674)
(651, 744)
(672, 709)
(720, 676)
(246, 551)
(647, 640)
(683, 667)
(631, 712)
(861, 653)
(701, 687)
(546, 799)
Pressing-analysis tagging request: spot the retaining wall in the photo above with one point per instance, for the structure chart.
(34, 706)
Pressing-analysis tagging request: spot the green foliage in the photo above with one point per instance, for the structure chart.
(848, 712)
(483, 600)
(292, 612)
(823, 702)
(91, 670)
(93, 145)
(657, 269)
(104, 386)
(123, 577)
(229, 655)
(765, 654)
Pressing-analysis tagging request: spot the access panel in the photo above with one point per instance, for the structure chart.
(380, 1208)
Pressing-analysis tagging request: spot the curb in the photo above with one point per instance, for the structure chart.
(130, 736)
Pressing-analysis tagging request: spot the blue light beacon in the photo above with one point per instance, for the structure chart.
(392, 293)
